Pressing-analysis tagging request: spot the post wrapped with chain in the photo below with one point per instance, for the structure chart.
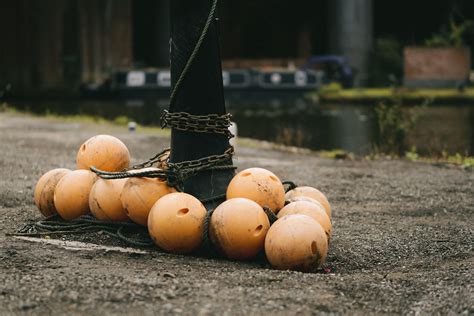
(173, 173)
(210, 123)
(200, 160)
(198, 96)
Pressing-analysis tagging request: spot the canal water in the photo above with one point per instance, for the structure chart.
(296, 120)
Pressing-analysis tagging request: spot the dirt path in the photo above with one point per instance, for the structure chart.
(403, 238)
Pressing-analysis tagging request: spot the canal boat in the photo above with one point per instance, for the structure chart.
(318, 70)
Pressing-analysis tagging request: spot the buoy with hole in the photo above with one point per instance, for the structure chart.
(313, 210)
(104, 152)
(44, 191)
(259, 185)
(176, 223)
(296, 242)
(140, 194)
(71, 196)
(311, 193)
(238, 227)
(104, 200)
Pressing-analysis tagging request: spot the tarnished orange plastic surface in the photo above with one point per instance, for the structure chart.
(71, 196)
(104, 200)
(238, 228)
(176, 222)
(140, 194)
(104, 152)
(312, 193)
(296, 242)
(260, 186)
(44, 190)
(314, 210)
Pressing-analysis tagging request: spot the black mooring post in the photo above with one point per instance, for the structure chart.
(200, 93)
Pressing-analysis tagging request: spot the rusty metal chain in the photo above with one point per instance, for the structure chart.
(203, 163)
(175, 173)
(161, 159)
(211, 123)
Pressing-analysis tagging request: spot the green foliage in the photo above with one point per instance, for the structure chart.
(412, 154)
(394, 122)
(451, 35)
(7, 108)
(333, 87)
(465, 162)
(458, 159)
(386, 63)
(121, 120)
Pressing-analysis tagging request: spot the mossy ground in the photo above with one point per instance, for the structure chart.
(333, 93)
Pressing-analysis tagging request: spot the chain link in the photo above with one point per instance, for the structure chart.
(203, 163)
(174, 173)
(161, 159)
(211, 123)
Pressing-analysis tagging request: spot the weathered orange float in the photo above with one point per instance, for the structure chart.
(306, 199)
(296, 242)
(314, 210)
(140, 194)
(104, 152)
(104, 200)
(311, 193)
(71, 196)
(259, 185)
(238, 228)
(176, 223)
(44, 190)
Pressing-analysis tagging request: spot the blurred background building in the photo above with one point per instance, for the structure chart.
(61, 44)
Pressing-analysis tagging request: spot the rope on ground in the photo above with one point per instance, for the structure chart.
(136, 235)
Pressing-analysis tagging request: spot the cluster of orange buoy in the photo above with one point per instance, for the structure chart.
(239, 227)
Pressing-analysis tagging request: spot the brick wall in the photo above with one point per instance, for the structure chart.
(440, 66)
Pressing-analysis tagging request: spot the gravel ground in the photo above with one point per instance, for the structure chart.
(402, 242)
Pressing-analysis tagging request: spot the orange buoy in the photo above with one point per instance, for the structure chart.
(44, 191)
(71, 196)
(139, 195)
(176, 222)
(314, 210)
(104, 152)
(311, 193)
(260, 186)
(238, 228)
(306, 199)
(296, 242)
(104, 200)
